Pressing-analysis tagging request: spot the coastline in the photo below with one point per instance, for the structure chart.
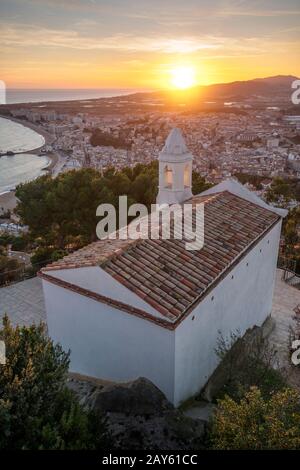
(53, 161)
(8, 199)
(48, 138)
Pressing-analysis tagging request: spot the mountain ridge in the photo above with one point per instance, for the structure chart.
(267, 86)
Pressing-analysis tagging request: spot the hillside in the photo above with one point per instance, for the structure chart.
(259, 92)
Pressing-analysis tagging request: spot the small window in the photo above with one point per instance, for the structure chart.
(187, 181)
(168, 177)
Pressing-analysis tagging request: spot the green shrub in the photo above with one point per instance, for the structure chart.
(10, 269)
(37, 411)
(248, 362)
(19, 243)
(256, 423)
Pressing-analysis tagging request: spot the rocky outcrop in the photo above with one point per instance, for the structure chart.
(139, 416)
(140, 397)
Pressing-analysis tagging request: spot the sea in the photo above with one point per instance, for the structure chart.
(15, 137)
(42, 95)
(15, 169)
(21, 167)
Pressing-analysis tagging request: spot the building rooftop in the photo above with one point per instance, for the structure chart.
(175, 147)
(162, 272)
(175, 143)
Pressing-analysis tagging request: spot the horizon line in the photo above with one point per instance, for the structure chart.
(134, 89)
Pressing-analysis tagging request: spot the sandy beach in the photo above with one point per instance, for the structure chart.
(8, 202)
(48, 138)
(7, 199)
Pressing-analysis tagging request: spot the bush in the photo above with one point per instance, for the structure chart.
(37, 411)
(248, 362)
(256, 423)
(10, 269)
(6, 239)
(99, 137)
(44, 255)
(19, 243)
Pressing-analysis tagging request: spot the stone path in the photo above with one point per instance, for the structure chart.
(23, 302)
(286, 298)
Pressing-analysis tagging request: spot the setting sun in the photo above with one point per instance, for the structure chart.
(183, 77)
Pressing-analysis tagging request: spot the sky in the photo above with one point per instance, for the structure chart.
(136, 44)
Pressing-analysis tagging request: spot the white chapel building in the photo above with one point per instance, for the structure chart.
(151, 308)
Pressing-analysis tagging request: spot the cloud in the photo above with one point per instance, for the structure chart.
(33, 36)
(19, 36)
(258, 13)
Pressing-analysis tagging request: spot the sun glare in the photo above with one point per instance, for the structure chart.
(183, 77)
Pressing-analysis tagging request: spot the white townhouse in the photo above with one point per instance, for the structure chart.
(151, 308)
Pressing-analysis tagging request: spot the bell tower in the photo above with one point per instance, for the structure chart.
(175, 170)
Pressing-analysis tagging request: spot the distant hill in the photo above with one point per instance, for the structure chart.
(281, 84)
(278, 87)
(259, 92)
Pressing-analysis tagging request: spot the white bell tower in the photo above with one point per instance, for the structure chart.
(175, 170)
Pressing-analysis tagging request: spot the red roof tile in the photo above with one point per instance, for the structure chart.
(162, 272)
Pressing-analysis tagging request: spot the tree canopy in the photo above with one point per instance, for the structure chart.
(10, 268)
(99, 137)
(282, 191)
(61, 212)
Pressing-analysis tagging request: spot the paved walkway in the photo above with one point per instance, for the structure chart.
(23, 302)
(286, 298)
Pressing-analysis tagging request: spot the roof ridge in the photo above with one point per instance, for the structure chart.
(253, 203)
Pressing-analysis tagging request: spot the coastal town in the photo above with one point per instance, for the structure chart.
(240, 139)
(251, 141)
(149, 231)
(93, 157)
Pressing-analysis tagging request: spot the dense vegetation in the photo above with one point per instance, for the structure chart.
(246, 363)
(17, 242)
(291, 232)
(282, 191)
(255, 180)
(99, 137)
(10, 268)
(258, 423)
(256, 409)
(37, 410)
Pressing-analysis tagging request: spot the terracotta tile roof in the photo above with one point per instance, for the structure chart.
(166, 275)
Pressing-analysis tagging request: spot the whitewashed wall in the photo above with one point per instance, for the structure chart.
(97, 280)
(236, 303)
(112, 344)
(109, 343)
